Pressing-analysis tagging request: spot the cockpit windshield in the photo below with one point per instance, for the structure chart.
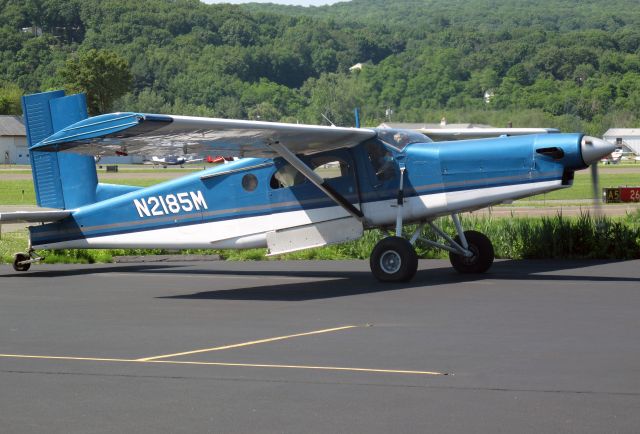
(399, 139)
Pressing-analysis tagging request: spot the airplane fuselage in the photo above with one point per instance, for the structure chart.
(239, 204)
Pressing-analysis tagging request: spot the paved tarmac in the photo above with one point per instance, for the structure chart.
(317, 347)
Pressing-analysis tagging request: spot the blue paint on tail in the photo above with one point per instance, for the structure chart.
(61, 180)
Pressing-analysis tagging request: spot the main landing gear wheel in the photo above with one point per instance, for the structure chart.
(482, 250)
(393, 259)
(18, 258)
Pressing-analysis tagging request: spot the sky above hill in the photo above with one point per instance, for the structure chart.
(281, 2)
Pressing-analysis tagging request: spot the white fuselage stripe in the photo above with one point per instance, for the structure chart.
(250, 232)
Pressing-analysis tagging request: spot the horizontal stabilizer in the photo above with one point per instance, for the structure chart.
(33, 216)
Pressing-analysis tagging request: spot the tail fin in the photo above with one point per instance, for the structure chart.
(61, 180)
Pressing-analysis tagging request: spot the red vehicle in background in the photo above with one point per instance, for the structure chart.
(218, 159)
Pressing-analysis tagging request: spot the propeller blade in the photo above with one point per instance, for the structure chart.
(593, 149)
(597, 195)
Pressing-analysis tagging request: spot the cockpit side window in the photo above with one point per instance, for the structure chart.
(381, 160)
(329, 167)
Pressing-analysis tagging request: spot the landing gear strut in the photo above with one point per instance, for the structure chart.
(469, 251)
(394, 258)
(23, 261)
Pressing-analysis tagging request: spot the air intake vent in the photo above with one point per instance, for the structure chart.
(555, 152)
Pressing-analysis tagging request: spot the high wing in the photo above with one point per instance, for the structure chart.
(149, 134)
(445, 134)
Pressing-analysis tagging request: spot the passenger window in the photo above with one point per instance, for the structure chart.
(286, 176)
(249, 182)
(381, 160)
(330, 167)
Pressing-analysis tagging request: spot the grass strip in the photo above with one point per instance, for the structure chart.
(582, 187)
(558, 237)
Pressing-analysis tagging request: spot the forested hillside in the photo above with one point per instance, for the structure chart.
(562, 63)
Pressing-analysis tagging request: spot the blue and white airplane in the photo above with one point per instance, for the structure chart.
(297, 187)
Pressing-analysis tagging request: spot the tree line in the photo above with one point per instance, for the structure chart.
(569, 64)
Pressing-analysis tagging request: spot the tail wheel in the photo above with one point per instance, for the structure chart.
(482, 250)
(18, 258)
(393, 259)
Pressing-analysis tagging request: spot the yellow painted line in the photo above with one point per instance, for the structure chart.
(322, 368)
(242, 365)
(246, 344)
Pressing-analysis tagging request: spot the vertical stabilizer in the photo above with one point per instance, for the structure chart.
(44, 165)
(60, 180)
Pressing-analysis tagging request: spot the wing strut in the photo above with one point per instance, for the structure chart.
(316, 179)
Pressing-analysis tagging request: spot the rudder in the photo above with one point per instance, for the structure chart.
(61, 180)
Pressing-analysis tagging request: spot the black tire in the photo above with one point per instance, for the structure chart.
(19, 257)
(482, 258)
(393, 259)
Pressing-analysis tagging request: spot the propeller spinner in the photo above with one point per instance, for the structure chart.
(593, 149)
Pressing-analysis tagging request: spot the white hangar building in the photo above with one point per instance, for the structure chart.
(13, 141)
(626, 138)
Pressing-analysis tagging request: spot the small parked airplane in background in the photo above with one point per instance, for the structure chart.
(302, 186)
(615, 157)
(173, 160)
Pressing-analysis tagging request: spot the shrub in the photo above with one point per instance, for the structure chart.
(557, 237)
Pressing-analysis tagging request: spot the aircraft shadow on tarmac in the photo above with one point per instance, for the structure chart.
(355, 283)
(84, 270)
(337, 283)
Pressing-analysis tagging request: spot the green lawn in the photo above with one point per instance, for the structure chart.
(17, 192)
(11, 243)
(582, 188)
(20, 192)
(15, 172)
(622, 165)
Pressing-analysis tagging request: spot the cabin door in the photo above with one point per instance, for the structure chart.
(303, 216)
